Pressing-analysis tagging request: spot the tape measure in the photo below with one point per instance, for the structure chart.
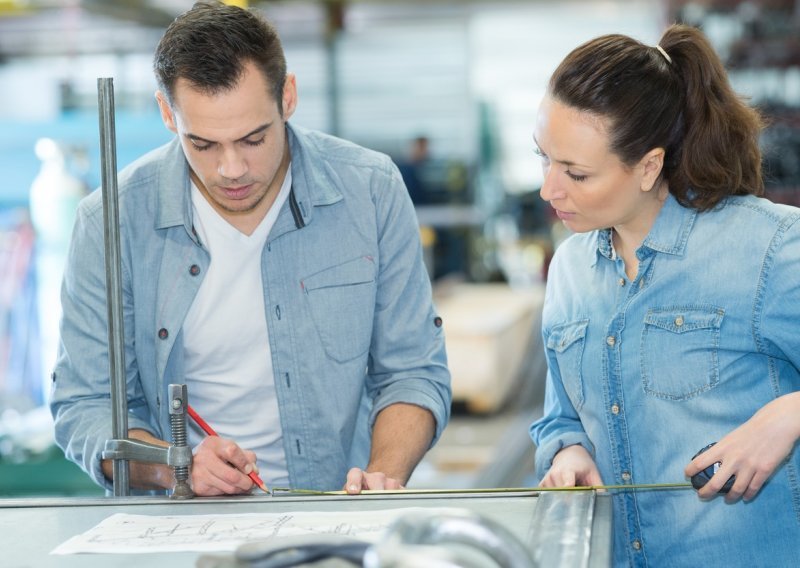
(278, 491)
(698, 481)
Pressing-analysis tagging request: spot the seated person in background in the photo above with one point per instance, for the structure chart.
(277, 271)
(671, 318)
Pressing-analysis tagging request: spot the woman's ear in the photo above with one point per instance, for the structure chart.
(652, 164)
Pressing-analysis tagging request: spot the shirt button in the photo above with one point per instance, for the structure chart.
(621, 282)
(611, 341)
(626, 476)
(615, 409)
(194, 270)
(641, 283)
(679, 321)
(636, 544)
(163, 333)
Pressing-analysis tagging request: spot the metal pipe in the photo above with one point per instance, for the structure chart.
(116, 332)
(414, 541)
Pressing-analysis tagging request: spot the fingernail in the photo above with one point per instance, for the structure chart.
(255, 468)
(248, 469)
(353, 488)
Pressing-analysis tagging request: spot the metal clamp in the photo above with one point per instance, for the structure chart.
(121, 448)
(178, 455)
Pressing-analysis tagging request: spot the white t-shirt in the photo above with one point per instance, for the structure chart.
(226, 343)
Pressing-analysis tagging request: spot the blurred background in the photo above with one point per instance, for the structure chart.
(448, 88)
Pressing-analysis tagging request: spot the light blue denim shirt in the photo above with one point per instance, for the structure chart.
(645, 373)
(352, 327)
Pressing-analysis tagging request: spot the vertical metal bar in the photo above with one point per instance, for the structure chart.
(335, 10)
(116, 332)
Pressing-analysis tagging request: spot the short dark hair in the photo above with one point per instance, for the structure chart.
(678, 98)
(209, 46)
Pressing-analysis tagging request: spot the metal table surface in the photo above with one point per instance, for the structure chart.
(559, 528)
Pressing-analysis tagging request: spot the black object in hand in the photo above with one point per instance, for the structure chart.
(699, 479)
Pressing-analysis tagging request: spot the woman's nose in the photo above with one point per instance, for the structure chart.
(550, 189)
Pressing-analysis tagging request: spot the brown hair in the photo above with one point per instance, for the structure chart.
(209, 46)
(680, 100)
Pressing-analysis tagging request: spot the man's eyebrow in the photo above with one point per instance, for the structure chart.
(253, 132)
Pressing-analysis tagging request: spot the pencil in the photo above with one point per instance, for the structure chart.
(211, 432)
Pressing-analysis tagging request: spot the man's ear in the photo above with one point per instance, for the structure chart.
(166, 112)
(289, 96)
(652, 164)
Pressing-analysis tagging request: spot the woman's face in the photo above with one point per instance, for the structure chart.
(587, 185)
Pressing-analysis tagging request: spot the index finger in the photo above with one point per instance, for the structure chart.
(355, 481)
(703, 459)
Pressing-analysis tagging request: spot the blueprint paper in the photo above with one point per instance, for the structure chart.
(131, 534)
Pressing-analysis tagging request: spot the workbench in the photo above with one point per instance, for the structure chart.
(564, 529)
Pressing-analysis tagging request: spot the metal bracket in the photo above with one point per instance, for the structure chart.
(137, 450)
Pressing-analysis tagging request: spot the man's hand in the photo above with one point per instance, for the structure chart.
(144, 475)
(359, 480)
(745, 454)
(401, 436)
(572, 466)
(221, 467)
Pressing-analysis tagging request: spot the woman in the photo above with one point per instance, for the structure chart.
(672, 317)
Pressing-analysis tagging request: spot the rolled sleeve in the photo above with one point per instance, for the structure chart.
(416, 392)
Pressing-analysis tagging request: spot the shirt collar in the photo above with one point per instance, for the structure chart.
(172, 182)
(668, 235)
(312, 185)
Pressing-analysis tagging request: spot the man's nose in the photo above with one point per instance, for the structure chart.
(232, 165)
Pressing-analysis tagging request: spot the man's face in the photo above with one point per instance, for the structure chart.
(235, 143)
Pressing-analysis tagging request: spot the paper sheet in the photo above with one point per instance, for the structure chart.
(130, 534)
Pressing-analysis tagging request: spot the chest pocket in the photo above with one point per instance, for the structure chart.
(341, 300)
(566, 341)
(680, 351)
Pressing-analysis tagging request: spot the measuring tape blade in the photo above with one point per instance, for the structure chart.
(278, 491)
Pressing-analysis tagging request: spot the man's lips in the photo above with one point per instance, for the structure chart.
(237, 192)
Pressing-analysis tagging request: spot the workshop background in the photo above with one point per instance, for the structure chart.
(449, 89)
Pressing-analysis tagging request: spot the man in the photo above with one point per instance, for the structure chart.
(277, 271)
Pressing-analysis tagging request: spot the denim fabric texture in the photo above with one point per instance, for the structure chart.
(645, 373)
(352, 327)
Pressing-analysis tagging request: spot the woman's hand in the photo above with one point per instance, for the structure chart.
(753, 451)
(572, 466)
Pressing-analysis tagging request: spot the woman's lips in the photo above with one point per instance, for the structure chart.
(563, 215)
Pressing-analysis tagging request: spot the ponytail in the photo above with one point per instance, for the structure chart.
(675, 96)
(720, 153)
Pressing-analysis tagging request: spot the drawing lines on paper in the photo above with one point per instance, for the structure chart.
(124, 533)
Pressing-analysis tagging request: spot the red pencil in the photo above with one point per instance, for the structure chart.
(210, 431)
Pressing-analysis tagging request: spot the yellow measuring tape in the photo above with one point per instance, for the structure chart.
(624, 487)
